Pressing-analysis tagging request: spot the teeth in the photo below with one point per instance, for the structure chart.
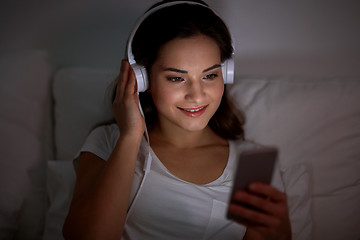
(194, 110)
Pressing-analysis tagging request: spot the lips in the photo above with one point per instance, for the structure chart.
(194, 112)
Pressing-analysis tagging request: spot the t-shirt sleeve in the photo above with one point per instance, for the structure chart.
(101, 141)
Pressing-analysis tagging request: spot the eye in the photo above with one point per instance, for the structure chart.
(175, 79)
(210, 76)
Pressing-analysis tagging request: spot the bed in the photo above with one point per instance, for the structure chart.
(46, 114)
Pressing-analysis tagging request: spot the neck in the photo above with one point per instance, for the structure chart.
(183, 139)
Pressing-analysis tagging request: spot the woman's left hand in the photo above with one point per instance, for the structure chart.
(271, 219)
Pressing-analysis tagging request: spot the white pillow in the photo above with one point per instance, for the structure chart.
(25, 142)
(315, 122)
(82, 100)
(61, 179)
(296, 181)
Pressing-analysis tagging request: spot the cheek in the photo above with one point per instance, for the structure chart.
(164, 95)
(218, 92)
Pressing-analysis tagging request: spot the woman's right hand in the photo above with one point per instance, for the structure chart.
(126, 103)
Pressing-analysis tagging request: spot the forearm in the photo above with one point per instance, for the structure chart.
(99, 210)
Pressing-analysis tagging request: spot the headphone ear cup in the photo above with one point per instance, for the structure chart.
(227, 69)
(141, 77)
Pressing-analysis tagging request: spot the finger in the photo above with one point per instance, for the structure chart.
(267, 190)
(275, 202)
(122, 80)
(266, 205)
(254, 200)
(251, 217)
(131, 84)
(263, 230)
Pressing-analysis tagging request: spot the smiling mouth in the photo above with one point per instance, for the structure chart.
(193, 110)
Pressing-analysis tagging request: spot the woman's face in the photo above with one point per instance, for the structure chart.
(186, 82)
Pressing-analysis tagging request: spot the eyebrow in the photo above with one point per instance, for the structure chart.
(212, 67)
(183, 71)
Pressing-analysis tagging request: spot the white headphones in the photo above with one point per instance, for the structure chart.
(227, 67)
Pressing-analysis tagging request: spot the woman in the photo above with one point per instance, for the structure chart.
(194, 137)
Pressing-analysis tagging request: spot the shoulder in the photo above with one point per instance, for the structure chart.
(236, 147)
(105, 132)
(102, 140)
(240, 145)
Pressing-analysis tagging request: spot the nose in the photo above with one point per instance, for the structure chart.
(195, 91)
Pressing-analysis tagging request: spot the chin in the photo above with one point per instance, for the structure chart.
(195, 126)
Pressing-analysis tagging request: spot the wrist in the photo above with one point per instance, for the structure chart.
(130, 138)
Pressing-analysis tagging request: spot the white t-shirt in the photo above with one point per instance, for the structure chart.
(163, 206)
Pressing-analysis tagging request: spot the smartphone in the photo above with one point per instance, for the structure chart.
(255, 165)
